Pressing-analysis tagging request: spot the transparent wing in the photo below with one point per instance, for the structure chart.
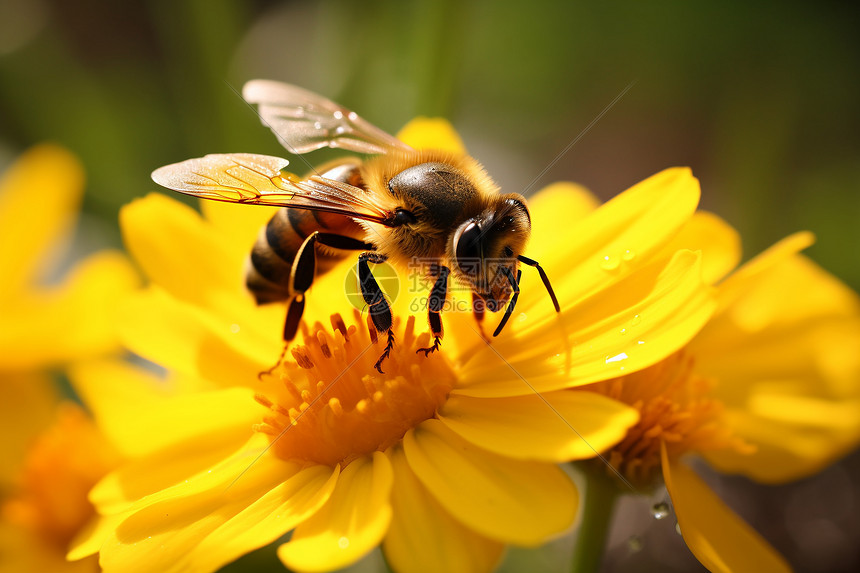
(305, 121)
(261, 180)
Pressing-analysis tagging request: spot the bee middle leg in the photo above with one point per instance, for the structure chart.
(435, 303)
(380, 310)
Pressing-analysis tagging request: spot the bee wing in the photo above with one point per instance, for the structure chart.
(261, 180)
(304, 121)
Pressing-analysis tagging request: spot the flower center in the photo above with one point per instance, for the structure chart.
(675, 408)
(329, 405)
(62, 465)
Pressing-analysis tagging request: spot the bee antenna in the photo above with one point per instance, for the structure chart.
(543, 277)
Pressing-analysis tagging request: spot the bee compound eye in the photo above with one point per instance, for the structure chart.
(468, 247)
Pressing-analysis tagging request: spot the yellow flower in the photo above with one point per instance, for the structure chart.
(443, 460)
(769, 389)
(45, 324)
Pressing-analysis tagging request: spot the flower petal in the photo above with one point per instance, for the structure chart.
(184, 254)
(513, 501)
(555, 427)
(719, 242)
(609, 244)
(27, 408)
(140, 418)
(39, 197)
(794, 437)
(718, 538)
(182, 337)
(423, 537)
(431, 133)
(78, 316)
(239, 224)
(216, 517)
(616, 331)
(352, 523)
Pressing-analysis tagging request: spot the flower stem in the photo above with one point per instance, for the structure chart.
(597, 509)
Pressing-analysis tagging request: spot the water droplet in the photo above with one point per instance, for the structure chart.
(640, 342)
(628, 255)
(340, 130)
(634, 544)
(338, 114)
(352, 116)
(234, 328)
(660, 510)
(317, 125)
(343, 542)
(678, 529)
(609, 263)
(635, 320)
(616, 358)
(523, 317)
(623, 331)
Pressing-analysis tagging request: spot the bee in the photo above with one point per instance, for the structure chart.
(436, 210)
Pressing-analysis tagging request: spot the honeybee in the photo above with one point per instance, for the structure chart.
(436, 208)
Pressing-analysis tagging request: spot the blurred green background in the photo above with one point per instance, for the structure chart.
(760, 99)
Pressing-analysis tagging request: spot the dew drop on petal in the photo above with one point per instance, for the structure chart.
(609, 263)
(623, 331)
(234, 328)
(635, 320)
(616, 358)
(343, 542)
(523, 317)
(352, 116)
(317, 125)
(338, 114)
(628, 255)
(660, 510)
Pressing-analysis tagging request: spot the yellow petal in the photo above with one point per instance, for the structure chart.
(240, 224)
(71, 321)
(556, 426)
(212, 519)
(794, 437)
(182, 253)
(350, 524)
(89, 540)
(718, 538)
(555, 208)
(507, 500)
(619, 330)
(719, 242)
(140, 418)
(39, 197)
(229, 350)
(614, 240)
(431, 133)
(424, 538)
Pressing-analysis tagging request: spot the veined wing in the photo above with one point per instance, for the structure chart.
(305, 121)
(261, 180)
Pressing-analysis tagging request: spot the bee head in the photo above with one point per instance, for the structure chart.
(486, 248)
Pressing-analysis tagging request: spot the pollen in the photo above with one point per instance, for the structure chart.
(327, 404)
(62, 465)
(676, 408)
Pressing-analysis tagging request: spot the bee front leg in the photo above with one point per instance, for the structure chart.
(380, 310)
(515, 285)
(435, 303)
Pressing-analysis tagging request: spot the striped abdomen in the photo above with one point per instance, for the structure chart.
(270, 267)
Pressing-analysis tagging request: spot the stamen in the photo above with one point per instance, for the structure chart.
(329, 405)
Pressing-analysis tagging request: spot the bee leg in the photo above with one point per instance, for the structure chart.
(438, 294)
(515, 284)
(478, 305)
(301, 278)
(543, 277)
(380, 310)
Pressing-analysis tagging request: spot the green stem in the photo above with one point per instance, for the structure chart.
(598, 503)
